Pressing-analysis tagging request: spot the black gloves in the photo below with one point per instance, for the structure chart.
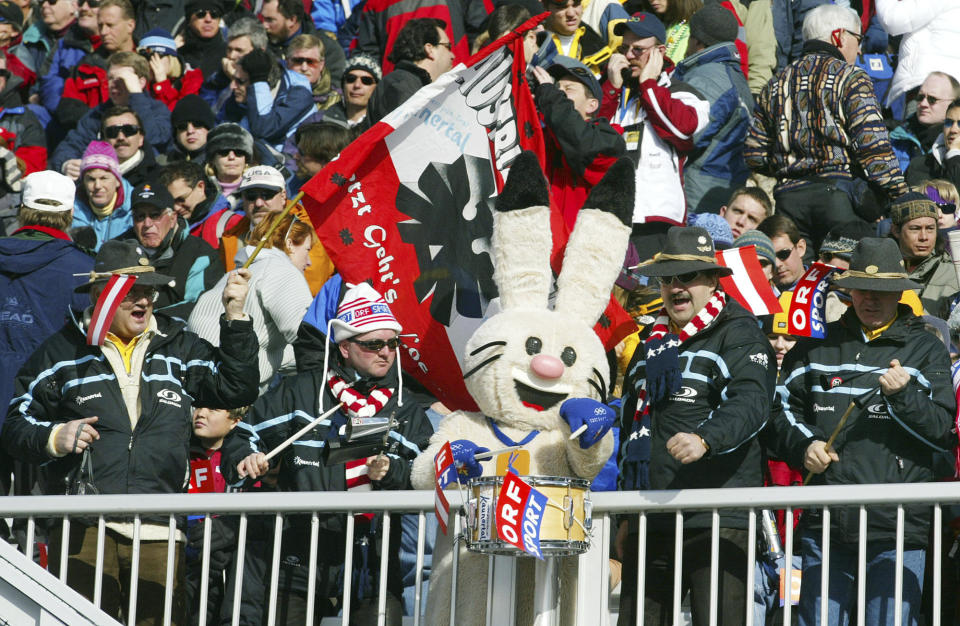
(257, 64)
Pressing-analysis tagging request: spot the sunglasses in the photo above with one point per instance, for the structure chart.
(636, 51)
(199, 14)
(685, 278)
(251, 195)
(784, 254)
(226, 153)
(931, 100)
(376, 345)
(349, 79)
(128, 130)
(93, 4)
(947, 207)
(154, 215)
(949, 123)
(182, 126)
(301, 60)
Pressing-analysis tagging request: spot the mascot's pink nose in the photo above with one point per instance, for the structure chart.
(546, 366)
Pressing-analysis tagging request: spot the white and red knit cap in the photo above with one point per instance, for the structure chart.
(362, 310)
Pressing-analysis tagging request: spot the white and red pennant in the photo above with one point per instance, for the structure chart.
(117, 288)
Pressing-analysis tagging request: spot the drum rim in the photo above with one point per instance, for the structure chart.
(533, 480)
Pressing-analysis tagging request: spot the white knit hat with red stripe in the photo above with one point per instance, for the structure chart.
(362, 310)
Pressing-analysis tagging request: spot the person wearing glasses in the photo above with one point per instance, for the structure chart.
(123, 130)
(165, 238)
(285, 20)
(360, 78)
(305, 56)
(788, 247)
(817, 128)
(927, 262)
(421, 53)
(208, 214)
(363, 370)
(127, 77)
(125, 406)
(943, 159)
(919, 132)
(702, 387)
(201, 41)
(659, 118)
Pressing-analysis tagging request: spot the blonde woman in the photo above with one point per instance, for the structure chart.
(945, 195)
(278, 296)
(229, 153)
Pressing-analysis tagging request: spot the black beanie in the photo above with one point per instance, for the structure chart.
(713, 24)
(195, 5)
(193, 108)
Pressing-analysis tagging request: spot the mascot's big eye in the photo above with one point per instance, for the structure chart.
(533, 345)
(568, 356)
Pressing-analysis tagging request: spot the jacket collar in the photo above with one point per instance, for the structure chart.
(822, 47)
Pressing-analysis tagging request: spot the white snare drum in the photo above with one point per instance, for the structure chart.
(564, 530)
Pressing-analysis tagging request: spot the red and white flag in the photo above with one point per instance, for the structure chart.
(409, 206)
(748, 285)
(446, 473)
(107, 303)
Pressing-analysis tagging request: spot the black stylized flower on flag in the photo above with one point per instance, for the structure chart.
(451, 213)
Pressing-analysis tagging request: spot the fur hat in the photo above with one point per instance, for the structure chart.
(912, 205)
(362, 310)
(363, 62)
(230, 137)
(718, 228)
(196, 5)
(158, 40)
(193, 108)
(876, 265)
(687, 249)
(762, 243)
(100, 155)
(713, 24)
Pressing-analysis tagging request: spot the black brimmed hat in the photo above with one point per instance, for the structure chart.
(123, 257)
(687, 249)
(876, 265)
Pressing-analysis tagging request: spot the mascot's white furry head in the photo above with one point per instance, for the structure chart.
(522, 363)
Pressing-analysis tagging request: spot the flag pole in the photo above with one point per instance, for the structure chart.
(276, 222)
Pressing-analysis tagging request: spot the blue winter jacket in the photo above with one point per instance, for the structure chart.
(67, 54)
(36, 290)
(716, 166)
(270, 117)
(112, 226)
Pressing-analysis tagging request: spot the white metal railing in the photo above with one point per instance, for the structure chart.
(591, 604)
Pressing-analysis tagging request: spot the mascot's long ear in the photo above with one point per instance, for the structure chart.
(598, 245)
(522, 240)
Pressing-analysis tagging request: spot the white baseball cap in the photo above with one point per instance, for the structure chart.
(47, 190)
(261, 177)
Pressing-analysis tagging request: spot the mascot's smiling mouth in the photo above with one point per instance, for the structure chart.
(537, 399)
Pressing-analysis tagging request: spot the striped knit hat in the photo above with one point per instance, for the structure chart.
(910, 206)
(362, 310)
(100, 155)
(761, 241)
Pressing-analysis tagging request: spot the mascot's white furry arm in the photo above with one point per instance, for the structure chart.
(536, 374)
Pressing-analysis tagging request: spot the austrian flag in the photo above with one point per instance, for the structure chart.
(748, 285)
(107, 303)
(446, 474)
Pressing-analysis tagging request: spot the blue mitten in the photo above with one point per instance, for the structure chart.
(464, 452)
(597, 416)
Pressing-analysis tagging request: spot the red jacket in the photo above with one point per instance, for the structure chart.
(169, 92)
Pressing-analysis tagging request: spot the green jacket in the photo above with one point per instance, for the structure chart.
(939, 281)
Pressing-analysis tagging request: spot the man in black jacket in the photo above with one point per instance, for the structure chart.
(877, 346)
(364, 374)
(700, 388)
(124, 407)
(421, 54)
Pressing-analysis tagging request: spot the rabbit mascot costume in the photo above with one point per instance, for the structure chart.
(537, 374)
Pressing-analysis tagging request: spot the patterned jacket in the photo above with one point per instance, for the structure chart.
(818, 119)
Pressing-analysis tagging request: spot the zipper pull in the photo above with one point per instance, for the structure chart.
(130, 445)
(900, 464)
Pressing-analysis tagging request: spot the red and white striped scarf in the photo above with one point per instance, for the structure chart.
(355, 403)
(661, 352)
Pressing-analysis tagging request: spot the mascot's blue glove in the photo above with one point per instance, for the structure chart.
(597, 416)
(464, 453)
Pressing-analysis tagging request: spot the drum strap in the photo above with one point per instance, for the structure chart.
(507, 441)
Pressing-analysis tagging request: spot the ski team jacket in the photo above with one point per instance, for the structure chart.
(892, 439)
(729, 378)
(65, 379)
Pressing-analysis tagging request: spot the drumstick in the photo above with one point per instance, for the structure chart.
(578, 432)
(301, 432)
(843, 420)
(273, 227)
(489, 455)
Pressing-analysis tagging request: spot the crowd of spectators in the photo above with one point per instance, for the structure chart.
(161, 138)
